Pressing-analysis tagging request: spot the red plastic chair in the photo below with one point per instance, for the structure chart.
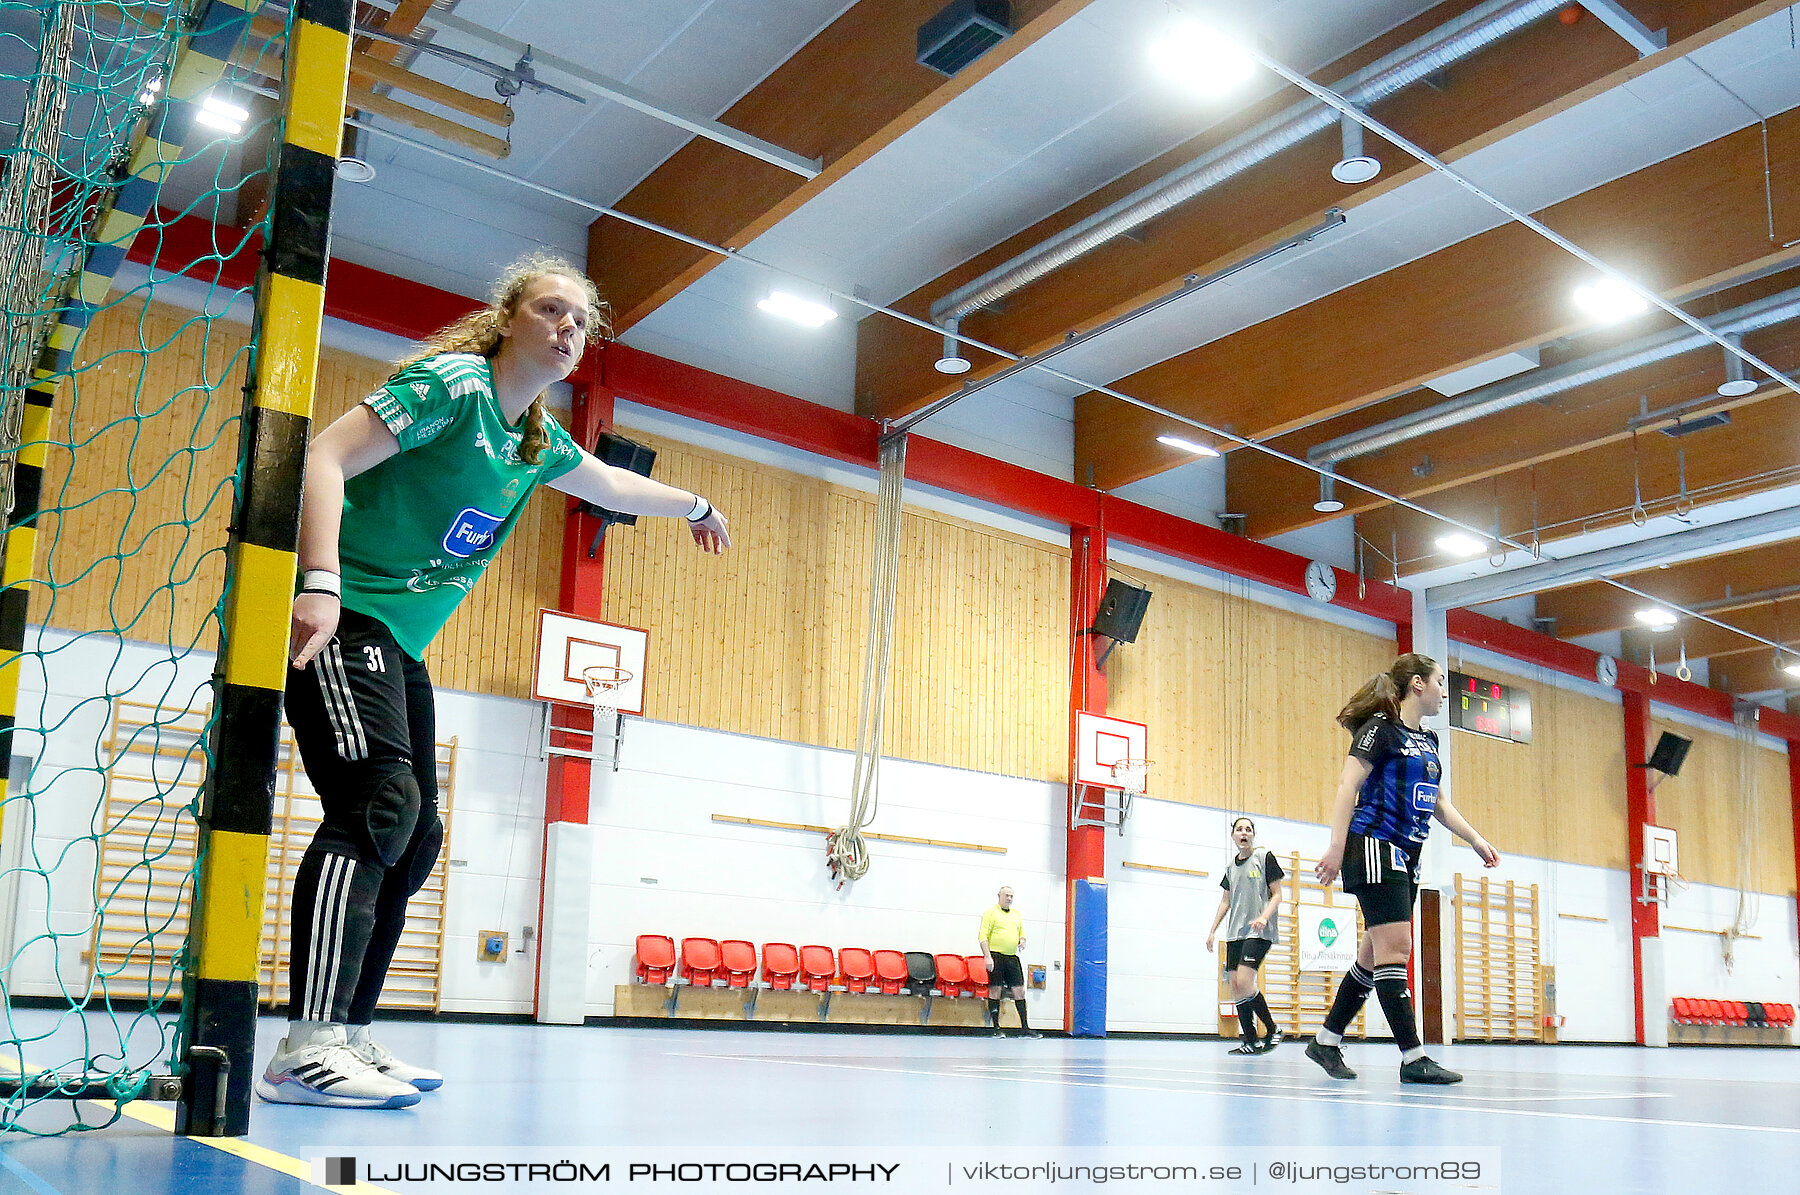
(978, 975)
(781, 965)
(858, 966)
(952, 975)
(818, 967)
(890, 971)
(1787, 1014)
(655, 958)
(1678, 1010)
(737, 958)
(1740, 1013)
(1715, 1012)
(700, 961)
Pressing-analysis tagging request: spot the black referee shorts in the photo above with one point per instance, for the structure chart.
(1382, 877)
(1007, 971)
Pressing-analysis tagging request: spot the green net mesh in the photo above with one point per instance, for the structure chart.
(135, 162)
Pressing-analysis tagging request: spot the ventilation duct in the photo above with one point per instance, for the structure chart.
(963, 32)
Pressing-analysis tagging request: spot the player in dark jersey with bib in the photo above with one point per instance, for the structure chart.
(1387, 795)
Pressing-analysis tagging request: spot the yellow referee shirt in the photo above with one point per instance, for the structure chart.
(1001, 930)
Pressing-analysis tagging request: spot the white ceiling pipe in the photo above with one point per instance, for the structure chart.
(1473, 31)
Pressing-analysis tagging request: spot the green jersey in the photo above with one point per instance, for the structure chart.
(422, 526)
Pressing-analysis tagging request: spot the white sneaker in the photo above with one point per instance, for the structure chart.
(326, 1071)
(383, 1060)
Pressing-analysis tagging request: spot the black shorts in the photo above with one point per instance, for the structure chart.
(361, 711)
(1382, 877)
(1246, 952)
(1006, 971)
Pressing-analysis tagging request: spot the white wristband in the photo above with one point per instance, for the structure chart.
(321, 580)
(702, 508)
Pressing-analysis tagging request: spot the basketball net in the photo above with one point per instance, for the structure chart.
(1132, 775)
(601, 681)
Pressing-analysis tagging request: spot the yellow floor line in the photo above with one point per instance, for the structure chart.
(159, 1116)
(163, 1117)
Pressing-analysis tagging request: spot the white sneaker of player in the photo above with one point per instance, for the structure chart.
(324, 1070)
(383, 1060)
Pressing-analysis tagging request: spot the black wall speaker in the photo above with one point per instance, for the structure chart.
(1671, 750)
(625, 454)
(1121, 611)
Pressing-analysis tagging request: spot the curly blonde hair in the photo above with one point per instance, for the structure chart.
(479, 331)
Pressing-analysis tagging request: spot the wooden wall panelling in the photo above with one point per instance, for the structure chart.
(768, 639)
(1706, 807)
(1560, 796)
(1240, 699)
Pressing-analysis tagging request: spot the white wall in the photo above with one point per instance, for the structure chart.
(663, 866)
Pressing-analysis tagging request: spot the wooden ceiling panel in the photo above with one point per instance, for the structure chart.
(1758, 451)
(1713, 582)
(1681, 225)
(1539, 71)
(1278, 497)
(1706, 641)
(847, 93)
(1513, 81)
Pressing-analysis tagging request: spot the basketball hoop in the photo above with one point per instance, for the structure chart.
(601, 680)
(1132, 775)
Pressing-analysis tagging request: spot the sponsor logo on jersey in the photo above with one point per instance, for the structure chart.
(470, 531)
(430, 430)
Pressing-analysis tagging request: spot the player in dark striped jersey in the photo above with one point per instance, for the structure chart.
(1386, 797)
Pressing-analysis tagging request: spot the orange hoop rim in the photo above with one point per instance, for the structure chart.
(596, 685)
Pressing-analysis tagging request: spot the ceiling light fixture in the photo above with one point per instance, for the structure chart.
(1458, 543)
(1738, 381)
(1328, 503)
(1656, 618)
(1355, 166)
(1202, 59)
(217, 112)
(1792, 667)
(1187, 446)
(152, 88)
(1610, 301)
(801, 311)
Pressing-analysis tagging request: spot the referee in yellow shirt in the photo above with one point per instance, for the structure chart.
(1002, 933)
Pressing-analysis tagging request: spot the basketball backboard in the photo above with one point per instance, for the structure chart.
(1100, 742)
(567, 645)
(1660, 851)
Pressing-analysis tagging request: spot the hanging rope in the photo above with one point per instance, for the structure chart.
(845, 853)
(1749, 808)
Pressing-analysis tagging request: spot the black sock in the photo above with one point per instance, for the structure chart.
(1396, 1002)
(994, 1010)
(1351, 995)
(1024, 1025)
(1246, 1010)
(1262, 1010)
